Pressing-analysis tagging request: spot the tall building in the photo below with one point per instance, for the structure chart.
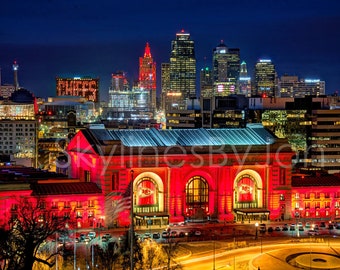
(79, 86)
(233, 67)
(18, 128)
(165, 84)
(264, 78)
(182, 71)
(291, 86)
(119, 91)
(226, 69)
(206, 82)
(147, 75)
(244, 81)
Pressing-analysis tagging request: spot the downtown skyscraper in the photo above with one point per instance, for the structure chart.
(226, 70)
(182, 72)
(265, 78)
(147, 75)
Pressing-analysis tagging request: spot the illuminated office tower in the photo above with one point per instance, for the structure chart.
(206, 82)
(182, 71)
(226, 69)
(119, 92)
(86, 87)
(292, 86)
(244, 81)
(265, 78)
(147, 75)
(165, 84)
(233, 67)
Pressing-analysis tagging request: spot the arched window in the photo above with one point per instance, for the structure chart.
(146, 196)
(197, 192)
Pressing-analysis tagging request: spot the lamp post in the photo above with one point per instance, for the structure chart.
(214, 252)
(131, 225)
(256, 226)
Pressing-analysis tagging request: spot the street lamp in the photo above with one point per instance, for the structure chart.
(256, 226)
(214, 252)
(131, 226)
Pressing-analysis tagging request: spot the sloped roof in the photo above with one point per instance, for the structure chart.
(251, 135)
(65, 188)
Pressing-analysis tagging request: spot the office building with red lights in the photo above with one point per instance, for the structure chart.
(147, 75)
(78, 86)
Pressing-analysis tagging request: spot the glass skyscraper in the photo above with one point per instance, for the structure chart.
(265, 78)
(226, 69)
(182, 71)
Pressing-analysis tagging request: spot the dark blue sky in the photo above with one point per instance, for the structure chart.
(77, 38)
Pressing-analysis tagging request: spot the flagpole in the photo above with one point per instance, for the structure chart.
(132, 234)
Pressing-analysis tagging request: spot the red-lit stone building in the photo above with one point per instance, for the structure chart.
(190, 174)
(54, 194)
(176, 175)
(316, 197)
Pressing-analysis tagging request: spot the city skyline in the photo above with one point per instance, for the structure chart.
(53, 39)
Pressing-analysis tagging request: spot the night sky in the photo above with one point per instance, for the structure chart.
(52, 38)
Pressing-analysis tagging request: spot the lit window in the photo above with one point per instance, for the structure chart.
(197, 192)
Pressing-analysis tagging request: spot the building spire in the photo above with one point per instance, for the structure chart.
(147, 52)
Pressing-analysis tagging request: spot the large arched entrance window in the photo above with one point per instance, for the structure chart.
(197, 198)
(146, 196)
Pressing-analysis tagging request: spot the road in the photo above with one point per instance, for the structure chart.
(239, 259)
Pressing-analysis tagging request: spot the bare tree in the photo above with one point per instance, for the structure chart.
(107, 255)
(30, 226)
(153, 254)
(171, 249)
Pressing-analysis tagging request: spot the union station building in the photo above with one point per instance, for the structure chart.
(241, 174)
(229, 175)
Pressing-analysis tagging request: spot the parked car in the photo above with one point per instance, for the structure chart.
(181, 234)
(91, 235)
(165, 234)
(146, 235)
(106, 237)
(198, 233)
(312, 232)
(156, 235)
(263, 228)
(82, 237)
(173, 234)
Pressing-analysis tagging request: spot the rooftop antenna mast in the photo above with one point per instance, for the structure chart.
(15, 71)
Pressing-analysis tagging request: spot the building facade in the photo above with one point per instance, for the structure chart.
(265, 79)
(182, 71)
(78, 86)
(226, 70)
(147, 75)
(292, 86)
(18, 127)
(193, 174)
